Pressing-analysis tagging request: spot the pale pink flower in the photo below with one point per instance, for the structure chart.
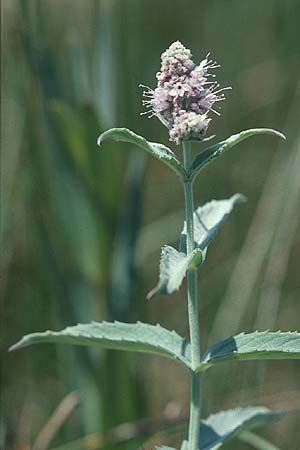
(184, 95)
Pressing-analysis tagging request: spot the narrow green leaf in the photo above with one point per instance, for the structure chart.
(211, 153)
(208, 219)
(257, 345)
(223, 426)
(172, 269)
(139, 337)
(159, 151)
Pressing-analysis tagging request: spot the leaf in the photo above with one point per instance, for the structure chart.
(185, 443)
(211, 153)
(172, 269)
(222, 426)
(208, 219)
(159, 151)
(139, 337)
(257, 345)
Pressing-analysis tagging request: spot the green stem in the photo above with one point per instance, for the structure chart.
(193, 309)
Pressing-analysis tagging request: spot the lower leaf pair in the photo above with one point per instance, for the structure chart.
(141, 337)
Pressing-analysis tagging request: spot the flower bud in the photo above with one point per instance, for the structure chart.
(189, 126)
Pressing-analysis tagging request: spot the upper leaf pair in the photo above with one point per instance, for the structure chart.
(166, 155)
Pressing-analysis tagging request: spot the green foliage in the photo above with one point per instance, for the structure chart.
(159, 151)
(65, 205)
(173, 268)
(174, 265)
(139, 337)
(211, 153)
(208, 219)
(224, 425)
(257, 345)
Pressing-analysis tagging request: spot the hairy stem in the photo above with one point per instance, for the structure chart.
(193, 310)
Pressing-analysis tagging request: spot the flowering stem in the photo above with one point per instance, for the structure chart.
(193, 309)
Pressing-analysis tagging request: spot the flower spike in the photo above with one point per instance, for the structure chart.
(184, 95)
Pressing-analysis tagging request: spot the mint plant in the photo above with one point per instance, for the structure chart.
(183, 101)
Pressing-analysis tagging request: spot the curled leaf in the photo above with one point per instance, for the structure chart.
(173, 268)
(211, 153)
(159, 151)
(208, 219)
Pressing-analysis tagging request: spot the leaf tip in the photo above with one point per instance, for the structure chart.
(280, 135)
(239, 198)
(279, 414)
(106, 135)
(100, 139)
(14, 347)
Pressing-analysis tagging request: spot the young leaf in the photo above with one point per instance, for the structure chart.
(208, 219)
(159, 151)
(257, 345)
(223, 426)
(139, 337)
(211, 153)
(172, 269)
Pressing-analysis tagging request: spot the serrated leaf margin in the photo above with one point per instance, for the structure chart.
(118, 335)
(242, 347)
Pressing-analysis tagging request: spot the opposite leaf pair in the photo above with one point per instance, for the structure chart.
(174, 264)
(139, 337)
(146, 338)
(168, 157)
(218, 428)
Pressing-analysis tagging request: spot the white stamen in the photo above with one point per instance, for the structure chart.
(214, 111)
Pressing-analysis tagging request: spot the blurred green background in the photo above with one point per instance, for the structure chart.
(82, 228)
